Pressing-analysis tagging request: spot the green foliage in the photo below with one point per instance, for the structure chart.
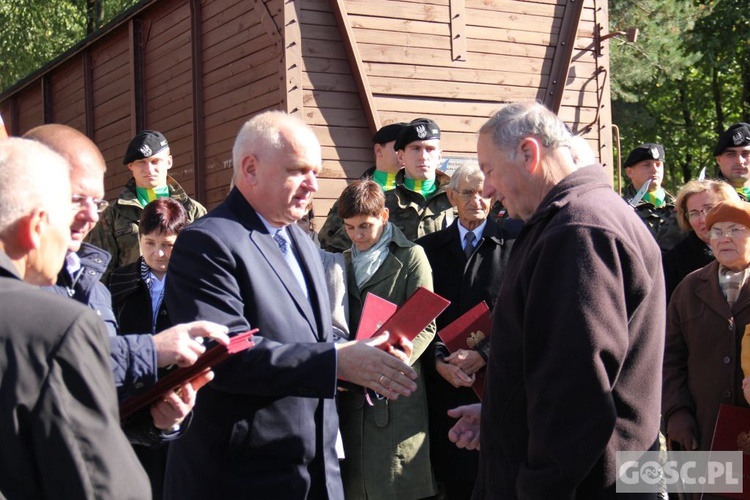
(37, 31)
(685, 80)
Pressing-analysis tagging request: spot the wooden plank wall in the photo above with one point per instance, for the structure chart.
(406, 53)
(410, 65)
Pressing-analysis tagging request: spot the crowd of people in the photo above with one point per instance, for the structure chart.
(612, 318)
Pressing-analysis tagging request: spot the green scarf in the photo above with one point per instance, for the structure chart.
(146, 195)
(386, 180)
(656, 198)
(424, 187)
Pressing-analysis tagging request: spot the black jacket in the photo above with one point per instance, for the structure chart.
(465, 282)
(689, 254)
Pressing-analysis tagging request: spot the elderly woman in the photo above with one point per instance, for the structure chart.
(694, 201)
(706, 320)
(386, 444)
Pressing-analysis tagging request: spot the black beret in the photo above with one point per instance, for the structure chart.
(421, 129)
(735, 136)
(648, 151)
(388, 133)
(145, 144)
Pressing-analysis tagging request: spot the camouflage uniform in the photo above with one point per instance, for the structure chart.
(414, 215)
(662, 222)
(117, 230)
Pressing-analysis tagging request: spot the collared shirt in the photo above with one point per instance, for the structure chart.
(477, 233)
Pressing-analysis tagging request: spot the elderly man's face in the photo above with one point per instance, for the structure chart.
(468, 199)
(730, 243)
(286, 179)
(505, 180)
(734, 164)
(88, 191)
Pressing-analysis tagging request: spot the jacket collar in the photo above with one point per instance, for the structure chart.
(7, 268)
(246, 215)
(708, 291)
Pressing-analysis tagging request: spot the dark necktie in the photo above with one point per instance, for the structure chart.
(469, 248)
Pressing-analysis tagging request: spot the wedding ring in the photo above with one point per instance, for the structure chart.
(380, 380)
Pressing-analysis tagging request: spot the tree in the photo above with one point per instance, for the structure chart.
(37, 31)
(683, 82)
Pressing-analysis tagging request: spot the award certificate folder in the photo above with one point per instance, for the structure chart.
(467, 332)
(732, 433)
(412, 317)
(176, 378)
(375, 311)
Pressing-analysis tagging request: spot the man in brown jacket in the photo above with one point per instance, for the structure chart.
(574, 369)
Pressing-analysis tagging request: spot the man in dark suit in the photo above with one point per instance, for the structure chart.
(266, 427)
(59, 423)
(468, 259)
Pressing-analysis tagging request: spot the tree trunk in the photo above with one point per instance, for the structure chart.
(687, 118)
(716, 89)
(94, 15)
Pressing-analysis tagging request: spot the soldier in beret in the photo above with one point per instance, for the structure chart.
(732, 154)
(149, 158)
(419, 203)
(653, 204)
(332, 235)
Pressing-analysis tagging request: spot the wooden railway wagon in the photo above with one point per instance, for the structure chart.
(197, 69)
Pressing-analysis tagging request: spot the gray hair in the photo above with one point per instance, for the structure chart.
(464, 172)
(32, 176)
(261, 134)
(516, 121)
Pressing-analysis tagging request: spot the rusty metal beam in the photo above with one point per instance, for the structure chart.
(563, 54)
(355, 63)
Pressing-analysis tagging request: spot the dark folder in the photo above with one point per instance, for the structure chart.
(467, 332)
(178, 377)
(732, 433)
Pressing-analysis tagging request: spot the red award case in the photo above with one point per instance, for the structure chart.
(732, 433)
(466, 332)
(178, 377)
(408, 320)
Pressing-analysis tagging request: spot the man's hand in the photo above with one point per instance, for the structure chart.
(469, 361)
(364, 363)
(178, 345)
(453, 374)
(681, 428)
(175, 406)
(465, 432)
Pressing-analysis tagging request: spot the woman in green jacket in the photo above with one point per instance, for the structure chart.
(385, 441)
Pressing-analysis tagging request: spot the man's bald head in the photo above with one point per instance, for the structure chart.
(87, 168)
(35, 208)
(79, 150)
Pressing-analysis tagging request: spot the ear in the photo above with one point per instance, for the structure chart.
(130, 166)
(629, 172)
(30, 229)
(385, 214)
(530, 151)
(169, 162)
(451, 196)
(250, 166)
(400, 156)
(378, 150)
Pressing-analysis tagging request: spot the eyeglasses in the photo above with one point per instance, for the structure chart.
(81, 202)
(468, 194)
(732, 232)
(694, 214)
